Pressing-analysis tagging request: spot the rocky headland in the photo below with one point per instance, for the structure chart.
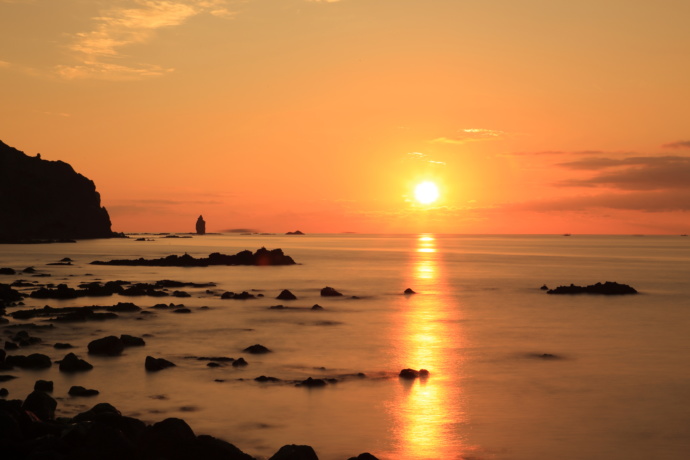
(43, 200)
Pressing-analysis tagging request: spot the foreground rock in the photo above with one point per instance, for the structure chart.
(72, 363)
(295, 452)
(63, 203)
(607, 288)
(261, 257)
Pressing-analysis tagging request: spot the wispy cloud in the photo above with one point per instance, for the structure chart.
(469, 135)
(636, 173)
(564, 152)
(418, 156)
(656, 201)
(4, 64)
(132, 22)
(677, 145)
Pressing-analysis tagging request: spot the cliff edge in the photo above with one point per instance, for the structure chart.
(42, 199)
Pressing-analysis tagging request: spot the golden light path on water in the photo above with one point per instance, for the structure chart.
(427, 413)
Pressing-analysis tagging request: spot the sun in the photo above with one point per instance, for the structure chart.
(426, 192)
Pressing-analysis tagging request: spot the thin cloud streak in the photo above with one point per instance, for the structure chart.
(677, 145)
(469, 135)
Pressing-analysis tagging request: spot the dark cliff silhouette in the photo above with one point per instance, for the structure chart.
(47, 200)
(200, 226)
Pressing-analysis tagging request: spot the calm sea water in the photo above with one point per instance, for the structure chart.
(621, 389)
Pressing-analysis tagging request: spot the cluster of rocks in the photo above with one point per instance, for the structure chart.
(607, 288)
(262, 256)
(31, 430)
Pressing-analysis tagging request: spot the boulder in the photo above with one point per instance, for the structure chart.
(329, 292)
(286, 295)
(363, 456)
(41, 405)
(72, 363)
(316, 306)
(170, 439)
(110, 346)
(310, 382)
(411, 374)
(33, 361)
(44, 385)
(409, 291)
(295, 452)
(156, 364)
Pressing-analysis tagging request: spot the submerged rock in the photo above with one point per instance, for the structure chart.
(157, 364)
(286, 295)
(329, 292)
(257, 349)
(77, 390)
(72, 363)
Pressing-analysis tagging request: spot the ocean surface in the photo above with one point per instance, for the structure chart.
(618, 386)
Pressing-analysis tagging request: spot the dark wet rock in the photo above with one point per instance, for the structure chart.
(143, 289)
(544, 287)
(277, 307)
(310, 382)
(7, 294)
(29, 270)
(132, 341)
(264, 378)
(44, 385)
(200, 226)
(182, 310)
(62, 346)
(3, 355)
(178, 284)
(607, 288)
(166, 439)
(411, 374)
(40, 404)
(181, 294)
(110, 346)
(213, 364)
(409, 291)
(210, 448)
(4, 392)
(329, 292)
(286, 295)
(545, 356)
(72, 363)
(157, 364)
(7, 271)
(363, 456)
(296, 232)
(123, 307)
(256, 349)
(10, 346)
(6, 377)
(77, 390)
(295, 452)
(237, 296)
(261, 257)
(62, 292)
(33, 361)
(239, 362)
(316, 306)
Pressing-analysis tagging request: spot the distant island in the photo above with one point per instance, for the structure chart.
(43, 200)
(262, 256)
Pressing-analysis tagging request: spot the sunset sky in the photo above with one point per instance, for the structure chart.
(533, 116)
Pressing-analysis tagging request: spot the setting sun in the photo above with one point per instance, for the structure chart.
(426, 192)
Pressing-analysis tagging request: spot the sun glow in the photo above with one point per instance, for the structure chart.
(426, 192)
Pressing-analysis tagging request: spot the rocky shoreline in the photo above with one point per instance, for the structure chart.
(31, 429)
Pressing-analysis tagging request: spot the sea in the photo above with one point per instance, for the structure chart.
(514, 373)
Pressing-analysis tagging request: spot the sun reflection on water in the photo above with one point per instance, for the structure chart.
(427, 412)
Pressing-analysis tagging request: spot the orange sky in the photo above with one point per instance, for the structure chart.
(537, 116)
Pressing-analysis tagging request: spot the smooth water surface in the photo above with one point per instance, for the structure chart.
(618, 387)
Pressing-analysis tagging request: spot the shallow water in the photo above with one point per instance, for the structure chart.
(619, 390)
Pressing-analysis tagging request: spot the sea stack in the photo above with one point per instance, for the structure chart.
(47, 200)
(200, 226)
